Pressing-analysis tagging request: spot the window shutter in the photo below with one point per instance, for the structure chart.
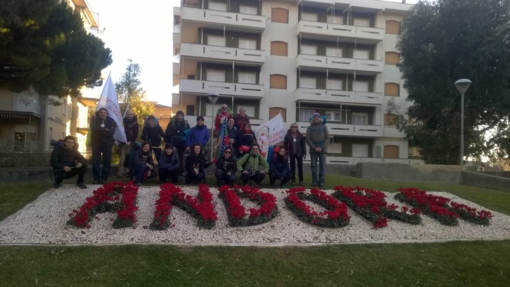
(392, 27)
(391, 90)
(280, 15)
(278, 81)
(278, 48)
(392, 58)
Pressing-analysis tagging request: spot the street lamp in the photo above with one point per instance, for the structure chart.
(462, 85)
(213, 97)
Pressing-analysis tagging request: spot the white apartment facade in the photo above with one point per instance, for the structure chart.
(335, 57)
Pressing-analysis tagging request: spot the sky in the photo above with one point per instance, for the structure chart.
(142, 31)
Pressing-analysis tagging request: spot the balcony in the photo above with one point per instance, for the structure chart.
(238, 90)
(223, 53)
(368, 34)
(24, 103)
(220, 18)
(349, 130)
(176, 64)
(338, 96)
(177, 34)
(341, 64)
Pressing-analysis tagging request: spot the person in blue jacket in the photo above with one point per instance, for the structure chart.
(279, 168)
(199, 134)
(169, 165)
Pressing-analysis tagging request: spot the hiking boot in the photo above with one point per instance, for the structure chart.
(81, 185)
(293, 183)
(321, 185)
(138, 184)
(97, 181)
(301, 183)
(56, 185)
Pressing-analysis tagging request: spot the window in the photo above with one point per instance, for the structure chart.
(360, 86)
(390, 120)
(247, 43)
(280, 15)
(244, 9)
(307, 82)
(218, 6)
(247, 78)
(273, 112)
(214, 40)
(392, 27)
(216, 75)
(334, 19)
(334, 84)
(359, 119)
(312, 17)
(361, 54)
(250, 111)
(363, 22)
(334, 52)
(332, 115)
(278, 81)
(305, 114)
(360, 150)
(211, 109)
(391, 151)
(190, 110)
(278, 48)
(392, 58)
(392, 90)
(308, 50)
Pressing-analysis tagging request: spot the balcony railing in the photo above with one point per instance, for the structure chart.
(338, 30)
(234, 89)
(372, 66)
(308, 94)
(176, 64)
(223, 53)
(253, 22)
(26, 104)
(349, 129)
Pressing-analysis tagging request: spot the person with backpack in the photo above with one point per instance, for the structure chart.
(226, 168)
(175, 133)
(294, 143)
(144, 164)
(317, 138)
(198, 135)
(67, 162)
(249, 166)
(169, 165)
(103, 128)
(279, 168)
(152, 132)
(195, 165)
(131, 130)
(245, 139)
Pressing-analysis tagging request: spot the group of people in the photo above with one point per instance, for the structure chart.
(183, 153)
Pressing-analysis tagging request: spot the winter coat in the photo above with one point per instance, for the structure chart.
(196, 161)
(279, 166)
(218, 121)
(317, 135)
(174, 132)
(144, 158)
(169, 162)
(130, 129)
(198, 135)
(250, 161)
(61, 156)
(102, 135)
(288, 143)
(246, 138)
(241, 120)
(227, 165)
(153, 135)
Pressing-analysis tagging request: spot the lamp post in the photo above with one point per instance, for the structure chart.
(462, 85)
(213, 97)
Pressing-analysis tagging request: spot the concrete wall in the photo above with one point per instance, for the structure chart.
(483, 180)
(405, 172)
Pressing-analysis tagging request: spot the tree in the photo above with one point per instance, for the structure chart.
(129, 91)
(50, 51)
(442, 42)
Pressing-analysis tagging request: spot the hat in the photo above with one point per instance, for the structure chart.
(316, 115)
(180, 112)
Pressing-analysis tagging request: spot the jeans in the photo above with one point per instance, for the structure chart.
(258, 177)
(284, 180)
(221, 175)
(60, 175)
(299, 160)
(322, 167)
(106, 151)
(164, 174)
(140, 172)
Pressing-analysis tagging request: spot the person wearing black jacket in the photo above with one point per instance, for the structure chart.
(226, 168)
(279, 168)
(294, 142)
(195, 165)
(131, 131)
(67, 162)
(175, 134)
(245, 138)
(152, 132)
(169, 165)
(103, 128)
(144, 164)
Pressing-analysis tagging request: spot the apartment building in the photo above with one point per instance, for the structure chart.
(335, 57)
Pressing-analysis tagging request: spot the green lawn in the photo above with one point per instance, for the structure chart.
(438, 264)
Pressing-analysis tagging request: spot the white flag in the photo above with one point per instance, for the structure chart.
(270, 133)
(110, 101)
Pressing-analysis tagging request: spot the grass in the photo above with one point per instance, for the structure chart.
(431, 264)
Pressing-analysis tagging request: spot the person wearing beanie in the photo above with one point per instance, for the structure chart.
(317, 138)
(169, 165)
(175, 133)
(198, 135)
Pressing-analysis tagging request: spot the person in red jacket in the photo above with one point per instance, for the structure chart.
(241, 119)
(221, 117)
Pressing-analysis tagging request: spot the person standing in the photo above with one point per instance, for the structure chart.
(144, 164)
(152, 132)
(198, 135)
(103, 128)
(175, 133)
(221, 116)
(294, 142)
(67, 162)
(245, 139)
(249, 166)
(195, 165)
(241, 119)
(169, 165)
(131, 130)
(317, 138)
(226, 168)
(279, 168)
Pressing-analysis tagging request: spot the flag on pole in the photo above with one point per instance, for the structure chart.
(110, 101)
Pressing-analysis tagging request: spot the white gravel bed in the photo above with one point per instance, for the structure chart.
(44, 222)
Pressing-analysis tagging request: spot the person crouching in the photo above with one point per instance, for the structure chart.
(144, 164)
(169, 165)
(195, 165)
(249, 166)
(279, 168)
(226, 168)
